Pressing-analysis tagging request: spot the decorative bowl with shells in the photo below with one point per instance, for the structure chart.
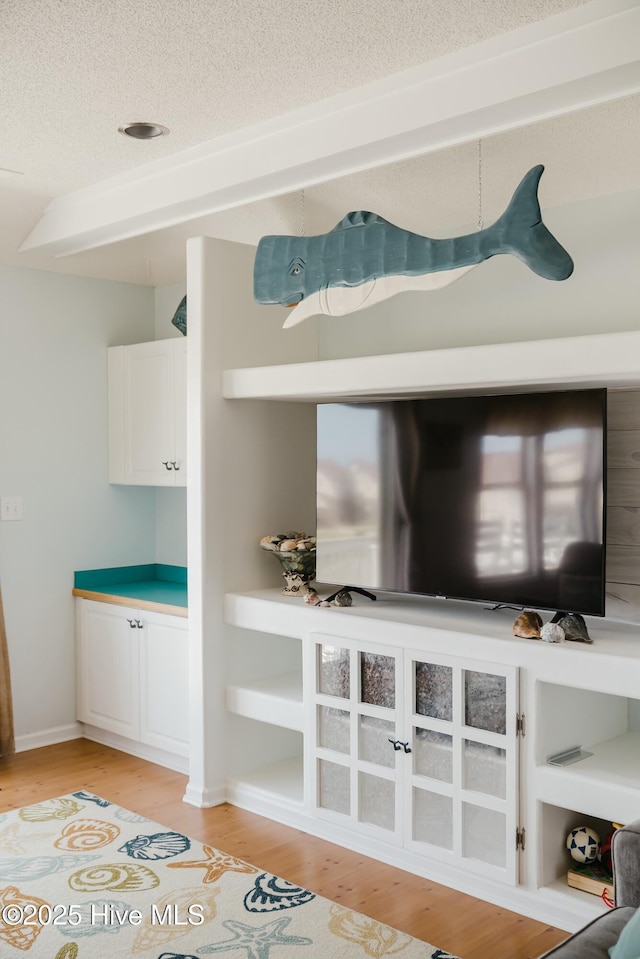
(296, 553)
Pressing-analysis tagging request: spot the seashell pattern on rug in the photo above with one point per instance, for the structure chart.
(162, 845)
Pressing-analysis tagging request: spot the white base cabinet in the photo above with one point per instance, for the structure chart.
(133, 674)
(148, 413)
(468, 797)
(417, 749)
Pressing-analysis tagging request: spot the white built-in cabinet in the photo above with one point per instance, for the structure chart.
(425, 733)
(417, 749)
(477, 808)
(133, 676)
(148, 413)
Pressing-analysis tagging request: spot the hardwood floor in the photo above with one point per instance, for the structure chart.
(465, 926)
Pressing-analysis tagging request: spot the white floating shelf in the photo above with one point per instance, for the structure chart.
(277, 700)
(607, 359)
(610, 778)
(421, 621)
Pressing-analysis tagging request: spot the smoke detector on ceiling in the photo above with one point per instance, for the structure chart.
(143, 130)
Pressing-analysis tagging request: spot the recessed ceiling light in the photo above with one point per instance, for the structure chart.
(144, 131)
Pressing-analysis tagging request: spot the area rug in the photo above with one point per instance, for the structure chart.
(82, 878)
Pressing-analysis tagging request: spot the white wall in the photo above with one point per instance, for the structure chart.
(503, 301)
(171, 504)
(54, 332)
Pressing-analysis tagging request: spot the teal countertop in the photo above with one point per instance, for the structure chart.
(150, 583)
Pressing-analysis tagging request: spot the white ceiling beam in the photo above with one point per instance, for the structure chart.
(568, 62)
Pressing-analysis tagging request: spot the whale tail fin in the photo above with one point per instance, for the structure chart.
(520, 231)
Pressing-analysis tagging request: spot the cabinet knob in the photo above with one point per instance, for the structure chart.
(167, 465)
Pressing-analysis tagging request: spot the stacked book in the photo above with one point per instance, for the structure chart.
(591, 877)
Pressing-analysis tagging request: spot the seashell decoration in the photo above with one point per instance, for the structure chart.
(154, 935)
(123, 877)
(343, 598)
(87, 834)
(375, 938)
(552, 633)
(22, 935)
(528, 625)
(50, 810)
(575, 628)
(162, 845)
(289, 541)
(296, 554)
(272, 894)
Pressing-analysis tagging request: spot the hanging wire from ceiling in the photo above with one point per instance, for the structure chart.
(480, 220)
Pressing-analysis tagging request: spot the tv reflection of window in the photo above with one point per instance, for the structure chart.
(530, 505)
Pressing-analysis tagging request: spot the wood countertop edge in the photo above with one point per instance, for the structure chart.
(130, 601)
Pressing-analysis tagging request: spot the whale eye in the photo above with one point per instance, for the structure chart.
(296, 266)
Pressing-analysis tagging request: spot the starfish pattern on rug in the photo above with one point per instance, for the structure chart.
(216, 864)
(14, 839)
(256, 940)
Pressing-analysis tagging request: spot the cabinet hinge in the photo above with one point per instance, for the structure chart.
(520, 838)
(521, 729)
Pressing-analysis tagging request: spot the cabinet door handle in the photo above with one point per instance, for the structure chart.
(141, 626)
(132, 623)
(175, 465)
(406, 747)
(397, 745)
(167, 465)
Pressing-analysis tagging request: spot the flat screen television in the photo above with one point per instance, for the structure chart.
(495, 498)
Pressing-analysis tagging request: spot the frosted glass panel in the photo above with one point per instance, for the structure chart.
(333, 671)
(484, 835)
(433, 691)
(374, 745)
(378, 680)
(334, 791)
(432, 754)
(377, 801)
(485, 769)
(333, 728)
(485, 701)
(432, 818)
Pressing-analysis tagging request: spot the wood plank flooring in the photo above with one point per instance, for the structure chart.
(465, 926)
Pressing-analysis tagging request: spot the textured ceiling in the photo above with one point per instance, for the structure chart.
(72, 71)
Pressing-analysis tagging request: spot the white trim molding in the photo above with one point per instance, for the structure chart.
(565, 63)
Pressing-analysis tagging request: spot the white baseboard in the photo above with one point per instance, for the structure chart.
(204, 797)
(153, 755)
(48, 737)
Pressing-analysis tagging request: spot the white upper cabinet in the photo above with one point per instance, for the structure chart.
(148, 413)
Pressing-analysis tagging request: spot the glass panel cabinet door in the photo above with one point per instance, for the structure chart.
(461, 796)
(356, 742)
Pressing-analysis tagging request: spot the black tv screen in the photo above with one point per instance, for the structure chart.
(496, 498)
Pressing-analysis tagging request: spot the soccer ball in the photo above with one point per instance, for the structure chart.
(583, 843)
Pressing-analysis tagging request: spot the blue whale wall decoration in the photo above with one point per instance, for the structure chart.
(366, 259)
